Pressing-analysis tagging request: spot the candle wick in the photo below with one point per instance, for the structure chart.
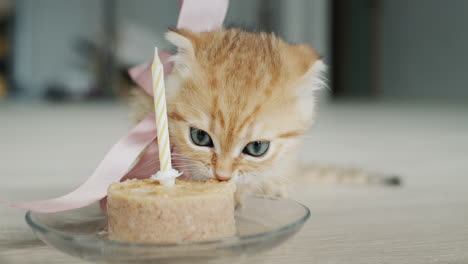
(167, 178)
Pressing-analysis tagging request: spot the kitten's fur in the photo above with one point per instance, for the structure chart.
(239, 87)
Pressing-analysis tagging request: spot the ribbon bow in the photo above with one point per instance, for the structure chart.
(195, 15)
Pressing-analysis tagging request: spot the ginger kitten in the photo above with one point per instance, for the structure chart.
(238, 104)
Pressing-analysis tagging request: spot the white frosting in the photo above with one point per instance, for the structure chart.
(167, 178)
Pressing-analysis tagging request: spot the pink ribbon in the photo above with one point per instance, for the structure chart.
(195, 15)
(114, 165)
(202, 15)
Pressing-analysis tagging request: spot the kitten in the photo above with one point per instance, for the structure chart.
(238, 105)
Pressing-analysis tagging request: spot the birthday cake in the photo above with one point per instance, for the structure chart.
(190, 211)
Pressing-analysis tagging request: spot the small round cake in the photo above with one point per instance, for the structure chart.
(146, 211)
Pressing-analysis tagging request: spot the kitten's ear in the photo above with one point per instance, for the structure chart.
(312, 72)
(312, 67)
(315, 77)
(185, 41)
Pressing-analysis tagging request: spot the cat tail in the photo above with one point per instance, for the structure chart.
(337, 175)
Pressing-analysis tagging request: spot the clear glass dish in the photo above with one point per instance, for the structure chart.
(262, 223)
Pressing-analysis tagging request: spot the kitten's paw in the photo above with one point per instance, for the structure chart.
(276, 190)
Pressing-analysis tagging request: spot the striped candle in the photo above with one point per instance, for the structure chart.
(167, 174)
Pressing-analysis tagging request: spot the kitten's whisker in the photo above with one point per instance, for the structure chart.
(182, 161)
(179, 156)
(146, 165)
(189, 172)
(183, 167)
(176, 159)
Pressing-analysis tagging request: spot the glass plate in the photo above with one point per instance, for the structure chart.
(262, 223)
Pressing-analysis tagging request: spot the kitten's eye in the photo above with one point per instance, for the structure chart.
(256, 148)
(200, 137)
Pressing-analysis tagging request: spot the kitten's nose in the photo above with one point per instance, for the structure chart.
(222, 176)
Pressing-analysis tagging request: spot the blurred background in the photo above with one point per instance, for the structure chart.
(397, 104)
(397, 72)
(376, 49)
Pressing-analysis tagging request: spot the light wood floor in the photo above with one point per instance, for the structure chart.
(46, 150)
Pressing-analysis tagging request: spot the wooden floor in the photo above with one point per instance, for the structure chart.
(46, 150)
